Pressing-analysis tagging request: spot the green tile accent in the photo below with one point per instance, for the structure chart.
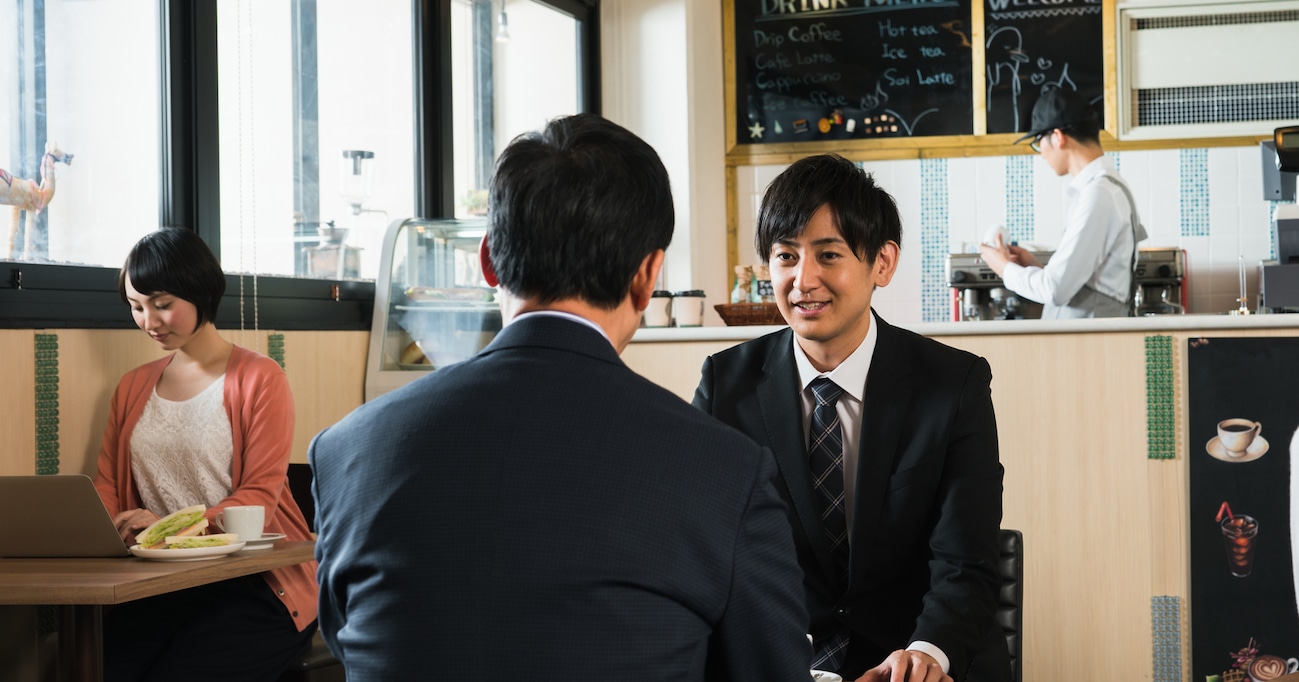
(1166, 628)
(275, 348)
(1161, 415)
(47, 404)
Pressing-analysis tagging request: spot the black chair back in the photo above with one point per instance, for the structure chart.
(1009, 612)
(300, 486)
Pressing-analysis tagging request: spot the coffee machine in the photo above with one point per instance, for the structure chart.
(979, 294)
(1278, 280)
(1161, 275)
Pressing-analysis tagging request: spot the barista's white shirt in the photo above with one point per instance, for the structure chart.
(850, 376)
(1096, 249)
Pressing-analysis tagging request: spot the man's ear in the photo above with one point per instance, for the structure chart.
(886, 263)
(647, 276)
(485, 261)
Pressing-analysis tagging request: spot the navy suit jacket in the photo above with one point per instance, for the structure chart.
(540, 511)
(928, 495)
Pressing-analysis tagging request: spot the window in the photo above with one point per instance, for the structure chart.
(516, 64)
(288, 133)
(67, 91)
(317, 133)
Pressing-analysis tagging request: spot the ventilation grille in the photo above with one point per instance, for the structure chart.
(1217, 104)
(1216, 19)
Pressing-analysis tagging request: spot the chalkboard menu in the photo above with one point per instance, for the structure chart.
(815, 70)
(1032, 47)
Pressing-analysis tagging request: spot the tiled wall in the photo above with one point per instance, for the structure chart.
(1208, 202)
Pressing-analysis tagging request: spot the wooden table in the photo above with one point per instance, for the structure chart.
(85, 586)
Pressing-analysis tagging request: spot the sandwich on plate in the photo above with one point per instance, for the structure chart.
(182, 529)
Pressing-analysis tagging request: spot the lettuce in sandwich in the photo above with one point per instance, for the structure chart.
(185, 522)
(196, 541)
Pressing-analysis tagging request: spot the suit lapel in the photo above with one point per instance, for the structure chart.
(884, 409)
(782, 415)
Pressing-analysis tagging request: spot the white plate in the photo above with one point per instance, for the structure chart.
(823, 676)
(264, 542)
(193, 554)
(1256, 449)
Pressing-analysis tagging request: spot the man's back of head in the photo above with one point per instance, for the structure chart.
(574, 210)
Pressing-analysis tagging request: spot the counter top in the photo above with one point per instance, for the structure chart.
(1157, 323)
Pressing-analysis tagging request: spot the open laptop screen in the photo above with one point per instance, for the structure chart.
(55, 516)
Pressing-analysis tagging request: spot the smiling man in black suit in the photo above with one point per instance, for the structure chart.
(886, 442)
(540, 511)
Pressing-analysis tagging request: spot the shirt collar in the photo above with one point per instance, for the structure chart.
(1099, 166)
(563, 315)
(851, 374)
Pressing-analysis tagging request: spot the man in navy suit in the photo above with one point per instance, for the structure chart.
(894, 489)
(540, 511)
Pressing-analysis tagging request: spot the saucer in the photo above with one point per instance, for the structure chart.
(264, 542)
(823, 676)
(1256, 449)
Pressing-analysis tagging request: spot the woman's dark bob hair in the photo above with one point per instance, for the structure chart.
(174, 260)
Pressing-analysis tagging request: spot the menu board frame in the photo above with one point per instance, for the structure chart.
(740, 150)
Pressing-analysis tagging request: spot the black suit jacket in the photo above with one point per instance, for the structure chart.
(542, 512)
(928, 495)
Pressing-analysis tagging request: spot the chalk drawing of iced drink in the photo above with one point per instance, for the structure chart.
(1238, 533)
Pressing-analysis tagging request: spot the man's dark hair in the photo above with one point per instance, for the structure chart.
(1087, 132)
(176, 261)
(866, 214)
(575, 209)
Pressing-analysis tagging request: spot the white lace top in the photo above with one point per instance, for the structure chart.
(182, 452)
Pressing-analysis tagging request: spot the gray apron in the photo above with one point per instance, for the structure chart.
(1089, 302)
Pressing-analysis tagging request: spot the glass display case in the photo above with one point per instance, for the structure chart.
(432, 307)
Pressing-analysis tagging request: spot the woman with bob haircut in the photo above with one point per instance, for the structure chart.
(212, 424)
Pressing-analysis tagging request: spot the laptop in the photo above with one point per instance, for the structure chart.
(55, 516)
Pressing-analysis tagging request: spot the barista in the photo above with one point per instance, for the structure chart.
(1091, 273)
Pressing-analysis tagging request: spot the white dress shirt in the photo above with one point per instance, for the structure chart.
(1095, 251)
(850, 376)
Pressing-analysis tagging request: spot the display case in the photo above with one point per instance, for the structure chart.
(432, 307)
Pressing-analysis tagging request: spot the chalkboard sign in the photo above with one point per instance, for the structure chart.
(1034, 46)
(815, 70)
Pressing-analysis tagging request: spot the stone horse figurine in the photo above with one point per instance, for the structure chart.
(26, 195)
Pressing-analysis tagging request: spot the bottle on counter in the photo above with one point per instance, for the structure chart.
(743, 284)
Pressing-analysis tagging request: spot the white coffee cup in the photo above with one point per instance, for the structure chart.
(659, 312)
(246, 522)
(688, 308)
(1237, 434)
(1265, 667)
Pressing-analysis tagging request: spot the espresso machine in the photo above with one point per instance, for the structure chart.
(979, 294)
(1160, 274)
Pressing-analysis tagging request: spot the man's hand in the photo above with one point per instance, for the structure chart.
(906, 666)
(999, 254)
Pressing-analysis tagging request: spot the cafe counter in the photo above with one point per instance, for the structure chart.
(1104, 517)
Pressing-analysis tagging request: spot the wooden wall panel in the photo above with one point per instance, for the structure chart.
(18, 402)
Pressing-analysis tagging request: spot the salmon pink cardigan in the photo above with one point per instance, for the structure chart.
(260, 408)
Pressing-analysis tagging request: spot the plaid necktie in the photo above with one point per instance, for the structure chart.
(825, 460)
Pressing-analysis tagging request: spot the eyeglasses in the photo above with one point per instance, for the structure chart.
(1036, 144)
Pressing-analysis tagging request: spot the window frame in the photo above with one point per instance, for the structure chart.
(39, 295)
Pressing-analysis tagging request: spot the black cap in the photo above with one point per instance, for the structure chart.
(1059, 108)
